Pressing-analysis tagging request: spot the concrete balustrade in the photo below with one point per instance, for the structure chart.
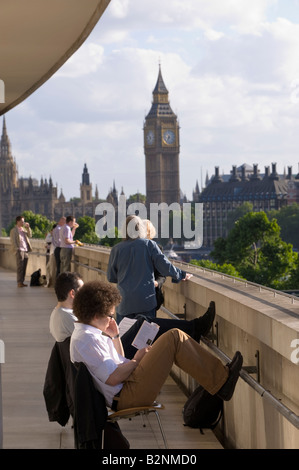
(261, 323)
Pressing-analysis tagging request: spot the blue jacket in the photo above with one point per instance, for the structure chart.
(131, 265)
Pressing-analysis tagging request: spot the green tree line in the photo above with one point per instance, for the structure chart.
(258, 247)
(254, 250)
(40, 226)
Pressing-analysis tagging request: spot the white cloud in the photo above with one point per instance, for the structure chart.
(119, 8)
(85, 61)
(232, 75)
(243, 15)
(213, 35)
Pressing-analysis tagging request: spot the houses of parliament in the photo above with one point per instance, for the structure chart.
(221, 195)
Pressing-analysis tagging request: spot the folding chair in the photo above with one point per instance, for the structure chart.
(91, 412)
(143, 411)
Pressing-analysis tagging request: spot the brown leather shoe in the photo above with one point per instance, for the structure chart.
(21, 284)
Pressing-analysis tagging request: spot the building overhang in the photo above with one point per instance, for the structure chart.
(36, 38)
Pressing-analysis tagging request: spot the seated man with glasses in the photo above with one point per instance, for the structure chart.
(128, 383)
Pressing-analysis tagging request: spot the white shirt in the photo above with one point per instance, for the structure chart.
(56, 236)
(65, 232)
(97, 352)
(62, 323)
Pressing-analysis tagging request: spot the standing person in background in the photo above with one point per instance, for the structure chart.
(132, 263)
(21, 246)
(48, 242)
(56, 243)
(51, 262)
(67, 242)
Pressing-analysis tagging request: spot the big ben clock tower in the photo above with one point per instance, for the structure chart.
(161, 148)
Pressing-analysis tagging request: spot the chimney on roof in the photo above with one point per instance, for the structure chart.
(255, 175)
(274, 175)
(217, 178)
(234, 177)
(289, 175)
(266, 172)
(243, 173)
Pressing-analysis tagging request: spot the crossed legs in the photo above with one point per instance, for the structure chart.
(173, 347)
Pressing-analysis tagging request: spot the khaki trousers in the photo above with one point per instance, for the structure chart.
(65, 259)
(22, 260)
(173, 347)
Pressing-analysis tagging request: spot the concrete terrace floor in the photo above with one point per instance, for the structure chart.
(24, 320)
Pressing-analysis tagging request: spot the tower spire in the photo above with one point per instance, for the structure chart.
(160, 106)
(8, 167)
(5, 147)
(160, 87)
(4, 131)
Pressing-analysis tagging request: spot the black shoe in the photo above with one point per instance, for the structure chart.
(203, 324)
(227, 390)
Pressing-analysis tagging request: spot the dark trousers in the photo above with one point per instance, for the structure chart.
(165, 324)
(57, 259)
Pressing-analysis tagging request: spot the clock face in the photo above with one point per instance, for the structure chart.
(150, 138)
(169, 137)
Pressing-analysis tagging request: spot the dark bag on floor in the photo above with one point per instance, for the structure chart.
(37, 279)
(202, 410)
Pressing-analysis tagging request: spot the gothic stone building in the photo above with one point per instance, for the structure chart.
(20, 194)
(225, 193)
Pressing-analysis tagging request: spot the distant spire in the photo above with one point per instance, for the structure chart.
(4, 131)
(85, 175)
(160, 105)
(160, 85)
(4, 137)
(5, 147)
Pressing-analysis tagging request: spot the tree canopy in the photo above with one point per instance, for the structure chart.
(254, 247)
(39, 224)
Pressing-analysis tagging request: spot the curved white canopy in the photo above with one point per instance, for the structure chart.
(36, 38)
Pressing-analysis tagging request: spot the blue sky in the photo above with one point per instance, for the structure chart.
(232, 71)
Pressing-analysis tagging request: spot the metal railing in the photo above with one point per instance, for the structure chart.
(276, 293)
(283, 409)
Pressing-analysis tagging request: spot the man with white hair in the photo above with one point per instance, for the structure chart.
(131, 266)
